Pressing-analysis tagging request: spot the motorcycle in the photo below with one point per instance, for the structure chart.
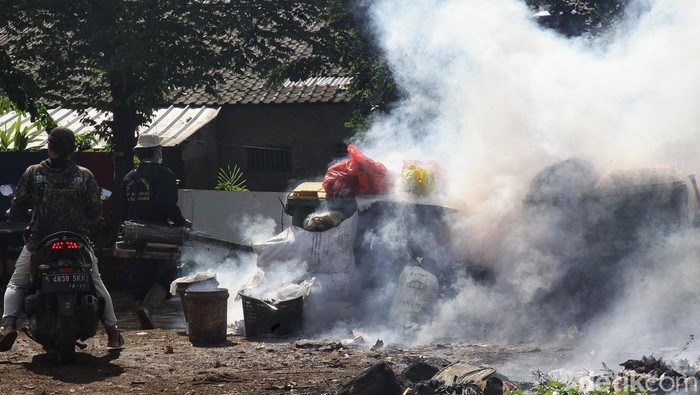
(62, 304)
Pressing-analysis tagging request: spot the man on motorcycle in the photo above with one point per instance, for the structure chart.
(149, 196)
(55, 177)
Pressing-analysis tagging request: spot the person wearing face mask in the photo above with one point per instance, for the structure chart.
(149, 196)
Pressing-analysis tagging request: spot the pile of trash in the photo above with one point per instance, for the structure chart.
(361, 175)
(316, 261)
(317, 266)
(645, 375)
(422, 378)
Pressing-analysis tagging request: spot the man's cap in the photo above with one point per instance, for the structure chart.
(148, 141)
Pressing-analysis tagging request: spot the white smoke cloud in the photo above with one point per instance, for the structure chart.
(495, 98)
(256, 229)
(233, 269)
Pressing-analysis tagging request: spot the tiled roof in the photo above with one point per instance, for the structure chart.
(251, 89)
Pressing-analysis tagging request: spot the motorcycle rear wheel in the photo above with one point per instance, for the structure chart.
(66, 340)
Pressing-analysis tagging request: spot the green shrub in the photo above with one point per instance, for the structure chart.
(231, 179)
(18, 138)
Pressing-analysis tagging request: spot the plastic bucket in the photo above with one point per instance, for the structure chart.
(207, 316)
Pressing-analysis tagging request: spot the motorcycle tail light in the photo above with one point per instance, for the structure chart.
(65, 245)
(66, 269)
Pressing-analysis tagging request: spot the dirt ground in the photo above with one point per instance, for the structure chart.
(164, 361)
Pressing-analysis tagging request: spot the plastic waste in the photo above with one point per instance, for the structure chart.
(323, 221)
(316, 252)
(257, 287)
(420, 179)
(358, 175)
(200, 281)
(415, 297)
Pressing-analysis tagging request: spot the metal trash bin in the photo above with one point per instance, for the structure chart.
(181, 288)
(207, 312)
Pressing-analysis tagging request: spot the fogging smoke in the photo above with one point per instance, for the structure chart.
(495, 99)
(232, 269)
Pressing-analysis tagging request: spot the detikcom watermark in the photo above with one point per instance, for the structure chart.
(631, 383)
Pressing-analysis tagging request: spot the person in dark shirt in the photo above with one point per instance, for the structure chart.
(62, 196)
(149, 196)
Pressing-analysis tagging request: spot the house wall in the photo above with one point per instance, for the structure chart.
(195, 162)
(312, 133)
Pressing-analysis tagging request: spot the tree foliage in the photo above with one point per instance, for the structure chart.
(578, 17)
(127, 56)
(352, 46)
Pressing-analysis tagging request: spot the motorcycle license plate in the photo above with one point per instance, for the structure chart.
(66, 282)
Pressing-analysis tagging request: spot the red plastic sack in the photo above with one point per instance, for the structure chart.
(358, 175)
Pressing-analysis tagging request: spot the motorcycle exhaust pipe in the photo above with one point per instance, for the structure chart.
(90, 304)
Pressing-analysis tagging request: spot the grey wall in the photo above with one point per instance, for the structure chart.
(230, 215)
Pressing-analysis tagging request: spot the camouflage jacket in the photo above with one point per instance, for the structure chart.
(61, 195)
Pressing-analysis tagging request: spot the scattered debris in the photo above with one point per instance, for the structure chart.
(646, 375)
(419, 371)
(320, 345)
(420, 389)
(377, 379)
(463, 378)
(378, 345)
(650, 365)
(354, 342)
(463, 373)
(168, 349)
(215, 378)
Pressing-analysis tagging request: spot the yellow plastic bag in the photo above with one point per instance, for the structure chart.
(418, 179)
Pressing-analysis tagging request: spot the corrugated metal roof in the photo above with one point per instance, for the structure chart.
(173, 124)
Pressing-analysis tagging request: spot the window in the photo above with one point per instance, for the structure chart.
(269, 158)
